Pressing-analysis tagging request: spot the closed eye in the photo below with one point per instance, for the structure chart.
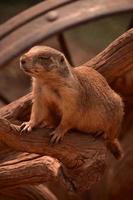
(43, 57)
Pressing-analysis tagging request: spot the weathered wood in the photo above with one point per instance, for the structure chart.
(116, 59)
(17, 110)
(28, 192)
(35, 169)
(83, 156)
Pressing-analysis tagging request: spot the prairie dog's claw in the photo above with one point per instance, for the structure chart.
(56, 137)
(26, 127)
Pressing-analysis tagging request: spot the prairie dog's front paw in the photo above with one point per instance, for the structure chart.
(26, 127)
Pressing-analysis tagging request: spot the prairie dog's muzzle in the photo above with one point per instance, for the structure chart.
(24, 63)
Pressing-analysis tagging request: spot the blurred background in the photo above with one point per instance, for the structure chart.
(79, 42)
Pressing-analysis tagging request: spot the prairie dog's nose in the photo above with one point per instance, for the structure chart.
(23, 60)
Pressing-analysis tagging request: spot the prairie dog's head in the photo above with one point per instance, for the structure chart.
(43, 61)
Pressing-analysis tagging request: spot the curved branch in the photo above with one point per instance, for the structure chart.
(69, 151)
(17, 110)
(28, 192)
(16, 175)
(31, 171)
(116, 59)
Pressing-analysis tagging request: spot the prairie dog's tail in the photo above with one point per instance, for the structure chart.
(115, 148)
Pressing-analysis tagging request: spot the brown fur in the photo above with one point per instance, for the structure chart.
(67, 98)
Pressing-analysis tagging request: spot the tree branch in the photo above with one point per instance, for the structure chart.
(80, 153)
(116, 59)
(30, 171)
(28, 192)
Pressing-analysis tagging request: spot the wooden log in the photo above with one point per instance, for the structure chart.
(83, 156)
(15, 165)
(28, 192)
(116, 59)
(35, 169)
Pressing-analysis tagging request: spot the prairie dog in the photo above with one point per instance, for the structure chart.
(67, 98)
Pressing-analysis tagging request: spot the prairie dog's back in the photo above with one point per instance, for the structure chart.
(94, 85)
(106, 106)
